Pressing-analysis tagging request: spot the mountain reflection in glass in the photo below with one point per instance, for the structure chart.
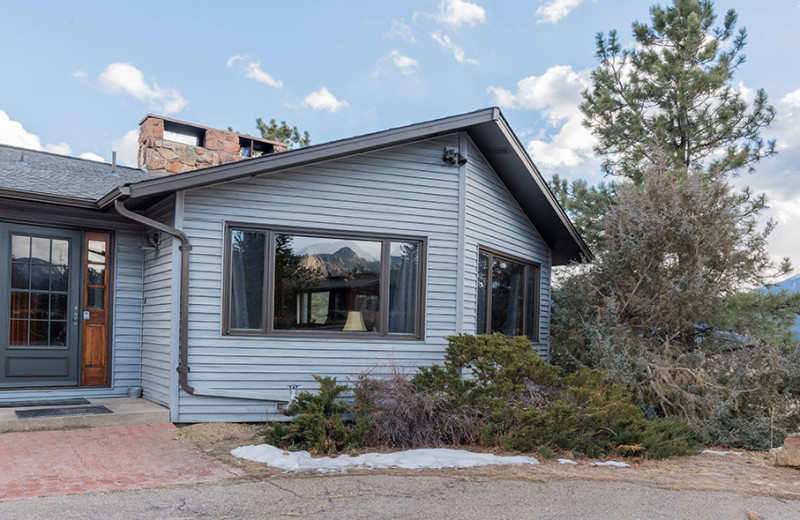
(318, 281)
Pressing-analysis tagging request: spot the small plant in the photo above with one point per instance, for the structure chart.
(318, 423)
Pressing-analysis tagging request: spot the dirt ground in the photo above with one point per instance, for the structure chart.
(749, 474)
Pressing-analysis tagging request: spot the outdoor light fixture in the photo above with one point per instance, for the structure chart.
(453, 157)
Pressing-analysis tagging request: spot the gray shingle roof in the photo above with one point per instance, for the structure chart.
(58, 175)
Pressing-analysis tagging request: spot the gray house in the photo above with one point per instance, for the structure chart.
(219, 285)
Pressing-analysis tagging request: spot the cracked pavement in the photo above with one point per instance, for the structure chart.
(386, 496)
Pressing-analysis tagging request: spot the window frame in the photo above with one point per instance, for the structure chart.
(531, 268)
(268, 301)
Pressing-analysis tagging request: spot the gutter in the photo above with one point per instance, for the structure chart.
(183, 342)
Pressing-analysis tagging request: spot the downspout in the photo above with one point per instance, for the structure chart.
(185, 247)
(183, 341)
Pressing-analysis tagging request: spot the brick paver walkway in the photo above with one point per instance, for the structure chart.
(34, 464)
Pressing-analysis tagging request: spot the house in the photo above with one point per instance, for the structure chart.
(221, 290)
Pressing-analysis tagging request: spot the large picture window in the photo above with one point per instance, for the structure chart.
(294, 282)
(508, 295)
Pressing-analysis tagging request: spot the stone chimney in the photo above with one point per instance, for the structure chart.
(168, 146)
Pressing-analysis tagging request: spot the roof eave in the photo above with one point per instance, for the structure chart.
(49, 199)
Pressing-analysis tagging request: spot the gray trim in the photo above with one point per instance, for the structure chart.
(268, 310)
(49, 199)
(463, 149)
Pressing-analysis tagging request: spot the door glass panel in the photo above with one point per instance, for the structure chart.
(40, 249)
(97, 274)
(58, 333)
(58, 307)
(39, 333)
(19, 304)
(40, 277)
(40, 306)
(20, 275)
(94, 298)
(97, 251)
(19, 332)
(60, 252)
(39, 285)
(59, 278)
(20, 247)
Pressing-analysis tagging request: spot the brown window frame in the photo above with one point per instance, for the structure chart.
(531, 269)
(268, 305)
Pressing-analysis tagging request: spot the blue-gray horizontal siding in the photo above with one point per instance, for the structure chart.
(495, 220)
(126, 333)
(401, 190)
(156, 312)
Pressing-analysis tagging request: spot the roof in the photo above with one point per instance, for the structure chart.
(487, 128)
(58, 178)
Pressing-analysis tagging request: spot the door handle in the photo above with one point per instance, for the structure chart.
(75, 318)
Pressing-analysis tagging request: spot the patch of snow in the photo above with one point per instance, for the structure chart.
(612, 463)
(566, 461)
(302, 461)
(715, 452)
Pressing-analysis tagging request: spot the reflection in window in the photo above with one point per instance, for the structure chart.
(39, 284)
(508, 296)
(323, 284)
(326, 284)
(247, 279)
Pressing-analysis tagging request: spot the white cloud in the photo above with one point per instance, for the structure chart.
(322, 99)
(79, 74)
(127, 79)
(254, 72)
(556, 94)
(404, 64)
(555, 10)
(456, 13)
(14, 134)
(91, 157)
(233, 59)
(127, 148)
(59, 148)
(400, 29)
(458, 53)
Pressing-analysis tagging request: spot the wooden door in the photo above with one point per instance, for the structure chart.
(94, 357)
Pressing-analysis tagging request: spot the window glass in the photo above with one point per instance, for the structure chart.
(328, 284)
(247, 279)
(403, 273)
(507, 296)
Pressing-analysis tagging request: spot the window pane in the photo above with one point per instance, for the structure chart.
(39, 333)
(97, 274)
(40, 276)
(532, 319)
(20, 247)
(19, 304)
(347, 271)
(40, 306)
(507, 296)
(40, 250)
(97, 251)
(59, 278)
(60, 252)
(247, 280)
(19, 332)
(20, 275)
(58, 306)
(58, 333)
(483, 283)
(404, 261)
(94, 298)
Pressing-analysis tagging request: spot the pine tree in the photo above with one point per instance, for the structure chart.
(283, 133)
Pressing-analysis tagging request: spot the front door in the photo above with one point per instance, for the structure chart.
(40, 272)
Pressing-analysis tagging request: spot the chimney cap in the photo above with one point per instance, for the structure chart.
(254, 138)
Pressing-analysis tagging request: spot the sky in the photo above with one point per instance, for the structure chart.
(77, 77)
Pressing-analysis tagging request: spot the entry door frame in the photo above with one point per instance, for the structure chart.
(73, 348)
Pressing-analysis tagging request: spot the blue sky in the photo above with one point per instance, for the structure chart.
(78, 76)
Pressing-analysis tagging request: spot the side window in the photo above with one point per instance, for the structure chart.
(508, 295)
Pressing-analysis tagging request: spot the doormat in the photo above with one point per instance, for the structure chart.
(61, 412)
(56, 402)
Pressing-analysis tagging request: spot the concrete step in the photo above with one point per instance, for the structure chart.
(125, 411)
